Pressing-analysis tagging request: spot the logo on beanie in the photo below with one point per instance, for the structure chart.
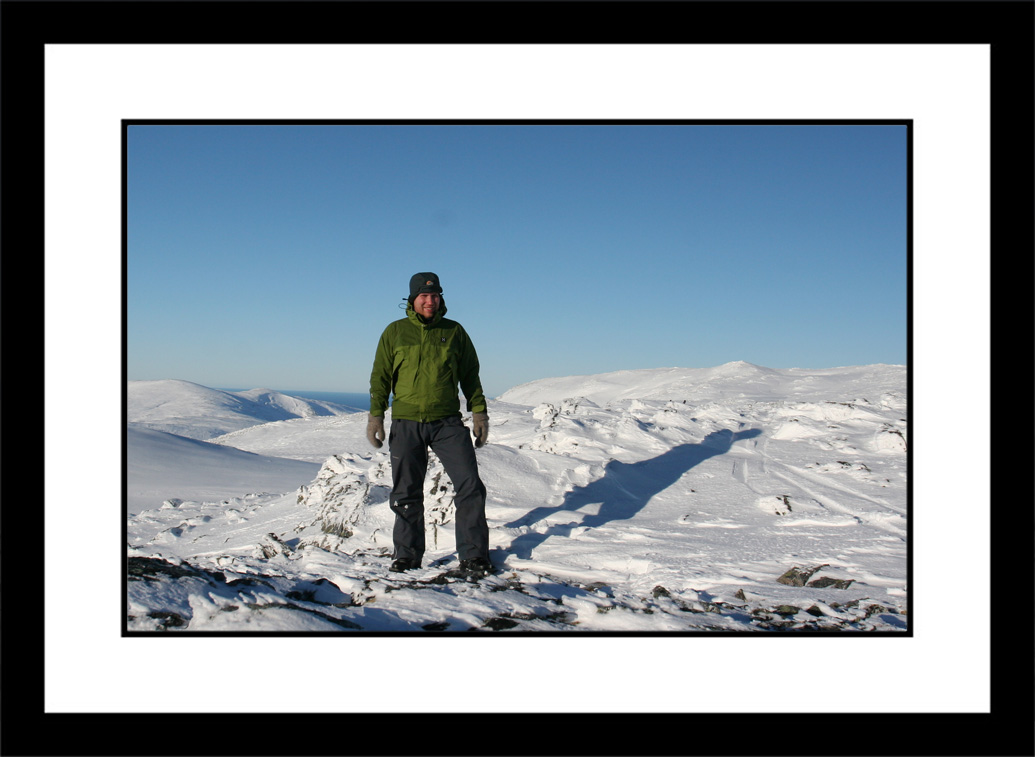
(430, 283)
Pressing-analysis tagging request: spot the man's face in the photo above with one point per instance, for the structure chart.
(426, 304)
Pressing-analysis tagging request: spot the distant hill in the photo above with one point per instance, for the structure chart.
(736, 380)
(198, 412)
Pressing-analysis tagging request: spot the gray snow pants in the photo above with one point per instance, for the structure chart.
(450, 440)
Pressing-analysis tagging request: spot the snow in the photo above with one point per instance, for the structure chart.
(163, 466)
(656, 501)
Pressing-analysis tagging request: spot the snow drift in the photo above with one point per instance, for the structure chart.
(161, 465)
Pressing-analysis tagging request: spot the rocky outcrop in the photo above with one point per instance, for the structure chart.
(349, 500)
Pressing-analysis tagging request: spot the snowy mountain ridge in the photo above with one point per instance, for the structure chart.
(198, 412)
(727, 500)
(737, 379)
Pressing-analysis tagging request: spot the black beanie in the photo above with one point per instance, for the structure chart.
(424, 282)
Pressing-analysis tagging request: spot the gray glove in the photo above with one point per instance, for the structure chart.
(481, 428)
(376, 430)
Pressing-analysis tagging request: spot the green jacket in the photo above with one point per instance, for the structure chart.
(421, 364)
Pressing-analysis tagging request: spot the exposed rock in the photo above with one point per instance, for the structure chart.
(500, 624)
(272, 545)
(826, 582)
(152, 568)
(799, 576)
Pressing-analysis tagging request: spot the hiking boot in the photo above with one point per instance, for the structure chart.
(402, 564)
(476, 565)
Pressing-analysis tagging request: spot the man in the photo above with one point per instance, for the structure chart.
(421, 359)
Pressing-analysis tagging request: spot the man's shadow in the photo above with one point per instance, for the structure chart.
(625, 488)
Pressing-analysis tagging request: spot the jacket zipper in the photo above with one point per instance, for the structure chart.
(420, 359)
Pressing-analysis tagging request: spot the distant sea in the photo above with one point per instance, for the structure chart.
(349, 399)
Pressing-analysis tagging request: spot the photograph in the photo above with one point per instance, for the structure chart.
(642, 377)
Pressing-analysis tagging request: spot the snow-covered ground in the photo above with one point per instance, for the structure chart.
(729, 499)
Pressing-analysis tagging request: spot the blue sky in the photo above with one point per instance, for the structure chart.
(274, 255)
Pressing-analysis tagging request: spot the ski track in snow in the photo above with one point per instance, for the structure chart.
(607, 513)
